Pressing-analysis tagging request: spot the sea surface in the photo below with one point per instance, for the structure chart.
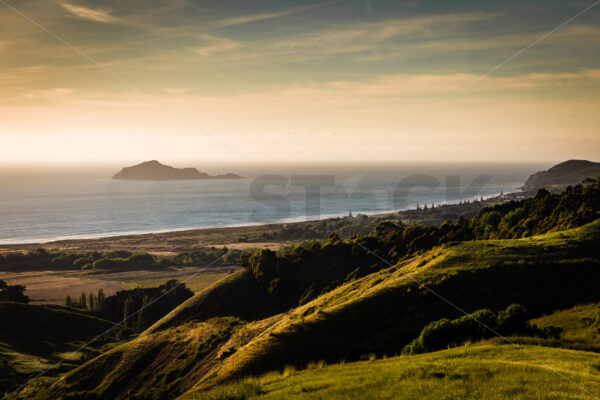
(46, 203)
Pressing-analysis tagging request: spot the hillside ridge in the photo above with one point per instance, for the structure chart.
(571, 172)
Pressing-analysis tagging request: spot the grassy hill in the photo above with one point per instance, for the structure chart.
(571, 172)
(469, 372)
(580, 326)
(33, 338)
(219, 336)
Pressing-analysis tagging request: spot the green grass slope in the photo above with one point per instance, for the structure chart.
(33, 338)
(471, 372)
(580, 326)
(237, 295)
(382, 312)
(174, 353)
(216, 336)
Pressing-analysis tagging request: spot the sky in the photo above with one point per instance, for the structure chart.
(326, 81)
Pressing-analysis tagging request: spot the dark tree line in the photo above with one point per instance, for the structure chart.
(113, 260)
(298, 273)
(91, 301)
(136, 309)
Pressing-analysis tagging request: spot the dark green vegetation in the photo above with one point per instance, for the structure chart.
(481, 324)
(331, 300)
(41, 259)
(12, 293)
(153, 303)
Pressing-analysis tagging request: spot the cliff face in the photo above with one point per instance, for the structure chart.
(155, 171)
(561, 175)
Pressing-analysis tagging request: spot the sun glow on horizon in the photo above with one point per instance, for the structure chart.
(325, 81)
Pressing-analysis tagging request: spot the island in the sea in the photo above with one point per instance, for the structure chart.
(155, 171)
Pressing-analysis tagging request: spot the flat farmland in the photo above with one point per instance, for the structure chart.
(52, 287)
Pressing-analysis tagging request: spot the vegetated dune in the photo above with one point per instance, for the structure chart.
(229, 330)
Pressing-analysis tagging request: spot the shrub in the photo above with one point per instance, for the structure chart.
(481, 324)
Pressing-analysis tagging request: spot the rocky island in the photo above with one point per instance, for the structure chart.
(155, 171)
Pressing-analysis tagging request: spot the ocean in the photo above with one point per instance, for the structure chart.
(48, 203)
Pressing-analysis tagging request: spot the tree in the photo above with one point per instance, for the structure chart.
(82, 300)
(12, 293)
(128, 310)
(91, 301)
(100, 298)
(142, 318)
(489, 221)
(69, 301)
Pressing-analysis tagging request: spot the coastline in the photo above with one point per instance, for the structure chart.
(233, 236)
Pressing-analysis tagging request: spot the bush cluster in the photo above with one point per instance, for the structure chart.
(481, 324)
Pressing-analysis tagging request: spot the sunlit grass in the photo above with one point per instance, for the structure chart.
(580, 324)
(473, 372)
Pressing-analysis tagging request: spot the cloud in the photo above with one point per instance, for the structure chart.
(49, 94)
(179, 91)
(591, 74)
(265, 16)
(89, 14)
(216, 44)
(365, 36)
(251, 18)
(384, 89)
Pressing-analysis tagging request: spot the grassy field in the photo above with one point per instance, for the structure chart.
(470, 372)
(195, 283)
(52, 287)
